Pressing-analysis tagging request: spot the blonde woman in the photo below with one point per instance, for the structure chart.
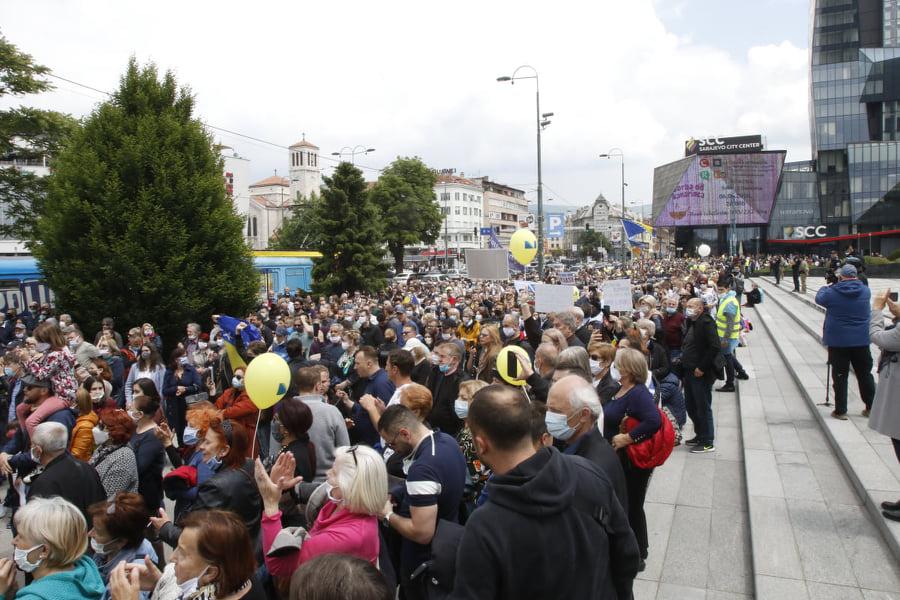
(489, 345)
(357, 489)
(50, 545)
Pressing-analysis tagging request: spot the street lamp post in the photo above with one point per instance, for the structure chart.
(360, 149)
(613, 152)
(542, 120)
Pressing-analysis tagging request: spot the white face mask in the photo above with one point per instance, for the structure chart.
(190, 586)
(690, 312)
(596, 367)
(97, 395)
(21, 559)
(99, 548)
(329, 491)
(100, 435)
(345, 345)
(614, 372)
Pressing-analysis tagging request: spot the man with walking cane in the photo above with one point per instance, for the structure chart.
(847, 337)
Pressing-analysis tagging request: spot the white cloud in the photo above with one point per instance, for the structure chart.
(419, 78)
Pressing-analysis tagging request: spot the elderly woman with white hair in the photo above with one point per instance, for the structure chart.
(356, 488)
(49, 545)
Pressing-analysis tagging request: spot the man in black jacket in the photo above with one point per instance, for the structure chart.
(537, 496)
(445, 388)
(576, 398)
(59, 473)
(699, 351)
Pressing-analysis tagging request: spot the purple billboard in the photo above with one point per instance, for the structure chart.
(717, 189)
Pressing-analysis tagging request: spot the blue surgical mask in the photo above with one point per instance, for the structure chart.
(237, 382)
(8, 371)
(443, 368)
(671, 310)
(558, 426)
(214, 463)
(190, 435)
(461, 408)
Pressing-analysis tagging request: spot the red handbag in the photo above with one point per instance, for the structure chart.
(653, 451)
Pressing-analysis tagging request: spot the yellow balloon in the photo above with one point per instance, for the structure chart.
(703, 268)
(523, 246)
(575, 293)
(507, 363)
(267, 379)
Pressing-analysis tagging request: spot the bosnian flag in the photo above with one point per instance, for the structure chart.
(250, 333)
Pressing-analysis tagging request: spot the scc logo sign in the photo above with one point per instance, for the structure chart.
(806, 232)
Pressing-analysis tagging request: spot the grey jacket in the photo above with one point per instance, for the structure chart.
(885, 414)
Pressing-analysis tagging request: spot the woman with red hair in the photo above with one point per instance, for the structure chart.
(225, 449)
(114, 459)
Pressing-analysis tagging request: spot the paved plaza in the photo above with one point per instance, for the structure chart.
(787, 505)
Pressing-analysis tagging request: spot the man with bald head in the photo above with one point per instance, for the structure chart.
(538, 495)
(575, 418)
(699, 351)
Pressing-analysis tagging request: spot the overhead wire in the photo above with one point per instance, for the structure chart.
(217, 128)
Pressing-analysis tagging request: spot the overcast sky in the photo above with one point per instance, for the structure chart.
(419, 78)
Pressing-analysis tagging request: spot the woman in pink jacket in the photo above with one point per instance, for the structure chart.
(348, 521)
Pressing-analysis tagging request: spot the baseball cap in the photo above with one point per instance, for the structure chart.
(32, 381)
(847, 271)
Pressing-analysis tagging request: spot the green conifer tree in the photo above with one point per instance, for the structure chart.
(136, 224)
(350, 236)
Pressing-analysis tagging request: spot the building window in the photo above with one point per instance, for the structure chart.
(300, 155)
(456, 210)
(457, 196)
(255, 231)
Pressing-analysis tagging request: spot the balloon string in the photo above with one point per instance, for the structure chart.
(256, 433)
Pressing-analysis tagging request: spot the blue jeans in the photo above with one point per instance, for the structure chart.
(698, 401)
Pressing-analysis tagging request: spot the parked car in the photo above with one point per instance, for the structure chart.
(401, 278)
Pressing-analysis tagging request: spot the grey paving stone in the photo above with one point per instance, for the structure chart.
(869, 558)
(727, 412)
(666, 480)
(697, 483)
(791, 458)
(775, 551)
(756, 434)
(776, 588)
(645, 590)
(826, 591)
(833, 480)
(821, 552)
(669, 591)
(728, 443)
(762, 474)
(729, 487)
(688, 548)
(751, 406)
(784, 437)
(730, 562)
(659, 527)
(717, 595)
(870, 469)
(799, 482)
(877, 595)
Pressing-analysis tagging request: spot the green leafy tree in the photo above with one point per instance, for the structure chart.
(404, 195)
(136, 223)
(299, 229)
(349, 236)
(27, 135)
(588, 242)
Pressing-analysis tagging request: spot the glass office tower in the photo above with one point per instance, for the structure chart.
(854, 109)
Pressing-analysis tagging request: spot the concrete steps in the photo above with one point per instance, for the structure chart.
(794, 323)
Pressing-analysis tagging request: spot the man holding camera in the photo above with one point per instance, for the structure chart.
(846, 335)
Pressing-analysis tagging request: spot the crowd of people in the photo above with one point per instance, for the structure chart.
(410, 451)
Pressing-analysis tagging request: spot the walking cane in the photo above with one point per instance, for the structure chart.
(827, 385)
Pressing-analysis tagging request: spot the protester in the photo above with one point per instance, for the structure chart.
(701, 346)
(50, 541)
(847, 316)
(359, 580)
(539, 495)
(885, 413)
(728, 328)
(236, 405)
(113, 458)
(82, 443)
(148, 366)
(149, 453)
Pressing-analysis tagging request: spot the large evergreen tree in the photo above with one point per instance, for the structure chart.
(136, 224)
(26, 134)
(404, 195)
(349, 235)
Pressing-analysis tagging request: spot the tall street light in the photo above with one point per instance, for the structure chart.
(542, 120)
(617, 152)
(352, 152)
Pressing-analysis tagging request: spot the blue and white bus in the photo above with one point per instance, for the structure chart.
(22, 282)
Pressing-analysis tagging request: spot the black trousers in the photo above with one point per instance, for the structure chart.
(731, 366)
(796, 277)
(860, 357)
(636, 482)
